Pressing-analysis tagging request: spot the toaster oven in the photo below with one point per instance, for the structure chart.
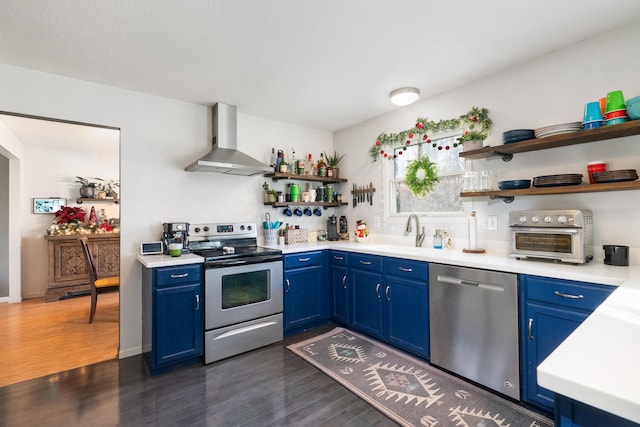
(559, 235)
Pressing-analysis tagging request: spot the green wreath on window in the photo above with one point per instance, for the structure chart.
(421, 176)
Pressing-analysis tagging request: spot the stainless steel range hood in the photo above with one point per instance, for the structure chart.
(225, 158)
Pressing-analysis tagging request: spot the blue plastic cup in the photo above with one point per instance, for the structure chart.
(592, 112)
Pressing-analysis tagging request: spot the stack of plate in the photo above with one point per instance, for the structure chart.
(516, 135)
(557, 180)
(615, 176)
(558, 129)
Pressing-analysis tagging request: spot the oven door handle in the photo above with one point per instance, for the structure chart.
(544, 230)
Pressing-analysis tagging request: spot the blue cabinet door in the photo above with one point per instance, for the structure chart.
(305, 296)
(547, 327)
(340, 293)
(178, 325)
(366, 302)
(407, 314)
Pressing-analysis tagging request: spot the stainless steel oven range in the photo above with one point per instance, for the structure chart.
(560, 235)
(242, 289)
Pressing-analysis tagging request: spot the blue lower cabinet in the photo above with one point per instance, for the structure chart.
(306, 291)
(390, 301)
(172, 320)
(340, 290)
(570, 413)
(553, 309)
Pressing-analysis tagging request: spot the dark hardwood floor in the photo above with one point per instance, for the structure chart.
(265, 387)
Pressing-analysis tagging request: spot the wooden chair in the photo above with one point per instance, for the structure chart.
(97, 285)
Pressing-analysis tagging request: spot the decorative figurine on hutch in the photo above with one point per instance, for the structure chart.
(362, 232)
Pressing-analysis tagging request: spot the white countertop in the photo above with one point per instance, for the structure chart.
(154, 261)
(598, 363)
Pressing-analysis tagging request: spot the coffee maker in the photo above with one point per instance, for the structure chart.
(332, 228)
(175, 232)
(344, 228)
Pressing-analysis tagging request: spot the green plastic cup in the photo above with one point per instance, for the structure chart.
(615, 101)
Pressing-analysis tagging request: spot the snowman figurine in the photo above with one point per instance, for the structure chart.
(361, 230)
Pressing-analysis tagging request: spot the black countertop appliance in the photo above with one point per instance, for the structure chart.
(332, 228)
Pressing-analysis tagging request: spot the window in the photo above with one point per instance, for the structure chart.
(445, 197)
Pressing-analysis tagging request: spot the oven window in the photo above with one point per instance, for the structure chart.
(554, 243)
(245, 288)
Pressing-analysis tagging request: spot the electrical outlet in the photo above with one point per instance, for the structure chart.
(377, 221)
(491, 222)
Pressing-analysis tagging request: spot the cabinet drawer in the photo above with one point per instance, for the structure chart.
(566, 293)
(338, 258)
(168, 276)
(417, 270)
(303, 259)
(366, 262)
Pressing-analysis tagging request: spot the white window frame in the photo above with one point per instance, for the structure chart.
(389, 180)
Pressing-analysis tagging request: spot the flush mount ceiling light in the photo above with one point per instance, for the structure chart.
(405, 95)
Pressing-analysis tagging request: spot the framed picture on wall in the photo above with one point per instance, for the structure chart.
(48, 205)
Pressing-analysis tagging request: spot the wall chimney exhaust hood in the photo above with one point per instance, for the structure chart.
(225, 158)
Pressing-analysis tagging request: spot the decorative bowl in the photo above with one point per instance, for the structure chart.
(633, 110)
(634, 100)
(515, 184)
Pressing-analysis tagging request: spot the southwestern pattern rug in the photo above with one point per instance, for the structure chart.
(406, 389)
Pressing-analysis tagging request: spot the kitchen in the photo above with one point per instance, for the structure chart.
(155, 188)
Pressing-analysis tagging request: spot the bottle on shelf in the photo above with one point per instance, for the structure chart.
(278, 160)
(274, 158)
(322, 166)
(312, 169)
(301, 166)
(284, 167)
(293, 162)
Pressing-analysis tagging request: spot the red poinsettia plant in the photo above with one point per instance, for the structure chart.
(69, 215)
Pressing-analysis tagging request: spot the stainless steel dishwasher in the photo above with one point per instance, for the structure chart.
(474, 325)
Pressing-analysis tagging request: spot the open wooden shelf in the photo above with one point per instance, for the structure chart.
(321, 204)
(506, 151)
(276, 176)
(508, 195)
(79, 200)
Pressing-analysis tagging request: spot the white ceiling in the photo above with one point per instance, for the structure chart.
(326, 64)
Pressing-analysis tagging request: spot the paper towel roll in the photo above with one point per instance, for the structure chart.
(473, 231)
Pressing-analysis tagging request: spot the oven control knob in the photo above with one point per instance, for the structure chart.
(548, 219)
(242, 227)
(197, 229)
(523, 219)
(562, 219)
(205, 229)
(535, 219)
(249, 227)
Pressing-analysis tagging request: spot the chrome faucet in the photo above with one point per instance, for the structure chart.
(419, 235)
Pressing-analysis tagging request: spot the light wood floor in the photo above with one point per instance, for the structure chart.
(41, 338)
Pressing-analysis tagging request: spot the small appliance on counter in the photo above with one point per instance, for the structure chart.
(332, 228)
(344, 228)
(560, 235)
(176, 233)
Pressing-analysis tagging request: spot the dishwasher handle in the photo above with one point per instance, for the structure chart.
(457, 281)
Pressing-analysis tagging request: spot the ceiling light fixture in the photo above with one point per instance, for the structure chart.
(405, 95)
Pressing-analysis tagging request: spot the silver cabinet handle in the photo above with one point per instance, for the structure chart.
(303, 259)
(378, 291)
(408, 270)
(339, 258)
(197, 302)
(386, 293)
(365, 262)
(344, 282)
(179, 276)
(560, 294)
(530, 328)
(288, 285)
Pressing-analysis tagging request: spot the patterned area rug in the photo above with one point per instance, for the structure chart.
(406, 389)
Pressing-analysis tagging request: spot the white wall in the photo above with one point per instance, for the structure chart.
(51, 172)
(4, 226)
(549, 90)
(11, 149)
(158, 138)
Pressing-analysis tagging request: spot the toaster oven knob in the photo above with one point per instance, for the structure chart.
(523, 219)
(197, 229)
(535, 219)
(548, 219)
(206, 228)
(562, 219)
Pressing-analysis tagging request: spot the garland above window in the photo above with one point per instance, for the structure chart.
(476, 122)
